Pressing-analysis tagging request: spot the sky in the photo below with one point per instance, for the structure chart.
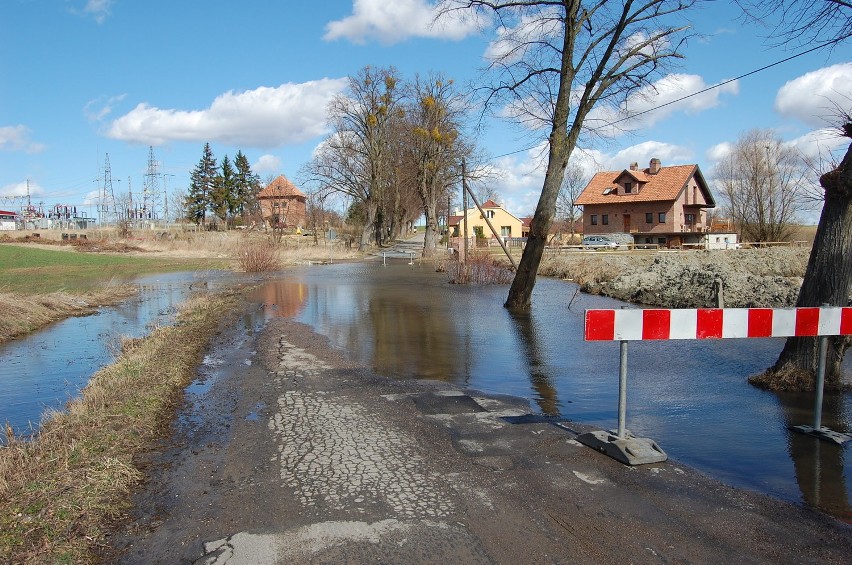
(83, 81)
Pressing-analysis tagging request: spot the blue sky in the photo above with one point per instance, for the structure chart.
(85, 78)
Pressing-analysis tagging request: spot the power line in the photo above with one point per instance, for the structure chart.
(702, 91)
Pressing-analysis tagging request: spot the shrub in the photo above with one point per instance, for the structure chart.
(480, 268)
(258, 256)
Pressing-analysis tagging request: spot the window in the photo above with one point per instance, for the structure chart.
(661, 240)
(489, 214)
(690, 219)
(605, 219)
(647, 240)
(628, 187)
(649, 218)
(594, 219)
(662, 217)
(506, 231)
(477, 231)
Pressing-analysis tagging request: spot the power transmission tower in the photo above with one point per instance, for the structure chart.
(151, 189)
(107, 205)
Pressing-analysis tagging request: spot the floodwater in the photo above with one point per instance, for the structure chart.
(40, 372)
(690, 396)
(406, 321)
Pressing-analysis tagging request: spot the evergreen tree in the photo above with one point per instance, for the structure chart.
(201, 185)
(223, 197)
(247, 186)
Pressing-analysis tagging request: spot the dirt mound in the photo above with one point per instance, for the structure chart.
(749, 278)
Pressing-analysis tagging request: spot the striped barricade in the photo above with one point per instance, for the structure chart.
(710, 323)
(716, 323)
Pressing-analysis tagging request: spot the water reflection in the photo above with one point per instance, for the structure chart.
(819, 465)
(539, 372)
(691, 397)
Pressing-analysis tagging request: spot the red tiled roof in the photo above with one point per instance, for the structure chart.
(665, 185)
(280, 187)
(490, 204)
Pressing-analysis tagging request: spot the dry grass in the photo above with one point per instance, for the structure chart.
(25, 313)
(480, 268)
(61, 491)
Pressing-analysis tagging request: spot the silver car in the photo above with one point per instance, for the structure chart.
(599, 241)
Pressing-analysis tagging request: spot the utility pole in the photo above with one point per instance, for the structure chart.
(151, 190)
(464, 209)
(107, 205)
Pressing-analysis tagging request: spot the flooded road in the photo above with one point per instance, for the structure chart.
(691, 397)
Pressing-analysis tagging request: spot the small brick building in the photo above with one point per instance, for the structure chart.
(282, 204)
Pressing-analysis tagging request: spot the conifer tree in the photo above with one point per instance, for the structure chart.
(201, 187)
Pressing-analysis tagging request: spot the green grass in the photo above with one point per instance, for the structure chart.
(31, 270)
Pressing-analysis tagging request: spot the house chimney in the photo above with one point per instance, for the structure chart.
(654, 167)
(634, 166)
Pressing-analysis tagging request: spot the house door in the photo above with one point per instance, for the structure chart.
(626, 223)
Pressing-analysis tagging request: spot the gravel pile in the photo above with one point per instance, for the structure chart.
(749, 277)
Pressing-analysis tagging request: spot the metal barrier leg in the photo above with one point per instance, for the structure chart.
(620, 444)
(622, 390)
(818, 430)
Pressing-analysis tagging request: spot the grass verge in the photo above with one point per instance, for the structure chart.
(61, 491)
(25, 269)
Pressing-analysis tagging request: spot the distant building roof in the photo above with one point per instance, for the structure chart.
(281, 187)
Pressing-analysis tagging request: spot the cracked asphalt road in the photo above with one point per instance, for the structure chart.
(294, 455)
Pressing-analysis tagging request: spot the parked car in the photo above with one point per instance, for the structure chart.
(599, 241)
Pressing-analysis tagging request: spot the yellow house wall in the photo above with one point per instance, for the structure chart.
(501, 218)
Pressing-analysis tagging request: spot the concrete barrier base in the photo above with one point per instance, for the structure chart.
(823, 433)
(629, 450)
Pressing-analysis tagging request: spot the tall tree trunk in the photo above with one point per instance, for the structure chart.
(430, 237)
(369, 225)
(828, 280)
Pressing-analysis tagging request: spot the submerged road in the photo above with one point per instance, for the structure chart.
(290, 454)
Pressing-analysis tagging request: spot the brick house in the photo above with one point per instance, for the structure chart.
(282, 204)
(661, 205)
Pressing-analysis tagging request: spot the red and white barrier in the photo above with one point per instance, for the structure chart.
(715, 323)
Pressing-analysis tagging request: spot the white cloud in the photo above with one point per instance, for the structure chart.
(264, 117)
(20, 189)
(101, 107)
(267, 164)
(99, 10)
(650, 98)
(17, 138)
(512, 43)
(395, 21)
(719, 151)
(642, 153)
(820, 144)
(92, 198)
(813, 97)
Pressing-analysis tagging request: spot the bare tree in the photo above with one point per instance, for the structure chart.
(828, 277)
(556, 61)
(435, 117)
(566, 202)
(800, 22)
(762, 182)
(354, 159)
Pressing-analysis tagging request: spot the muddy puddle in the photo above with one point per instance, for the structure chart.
(692, 397)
